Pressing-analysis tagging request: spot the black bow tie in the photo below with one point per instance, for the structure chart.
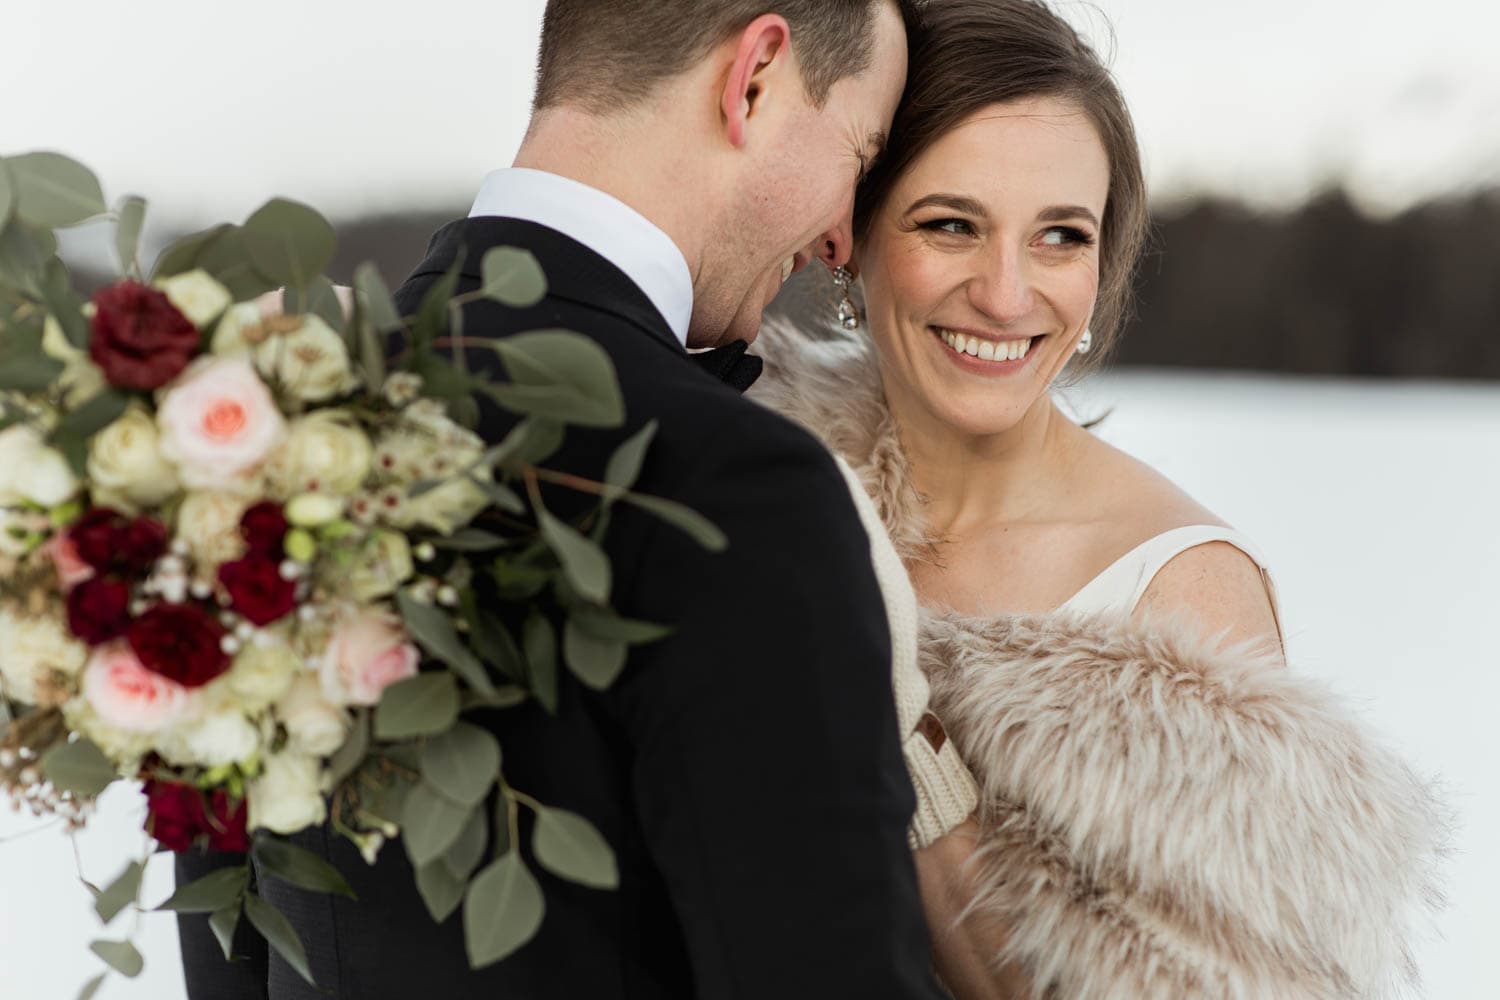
(731, 365)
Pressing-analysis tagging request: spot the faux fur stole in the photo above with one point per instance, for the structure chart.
(1160, 818)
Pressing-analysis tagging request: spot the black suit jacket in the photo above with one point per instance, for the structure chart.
(747, 769)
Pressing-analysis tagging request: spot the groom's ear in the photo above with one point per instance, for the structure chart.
(762, 54)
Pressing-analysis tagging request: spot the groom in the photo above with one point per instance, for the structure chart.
(685, 156)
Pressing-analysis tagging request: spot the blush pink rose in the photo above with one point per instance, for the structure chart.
(125, 694)
(218, 421)
(368, 653)
(71, 569)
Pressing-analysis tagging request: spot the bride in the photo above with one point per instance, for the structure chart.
(1166, 810)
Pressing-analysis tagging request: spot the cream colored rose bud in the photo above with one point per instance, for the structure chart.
(197, 296)
(313, 510)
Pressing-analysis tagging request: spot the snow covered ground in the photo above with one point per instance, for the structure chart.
(1377, 504)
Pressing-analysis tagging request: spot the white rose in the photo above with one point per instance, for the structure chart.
(384, 564)
(55, 343)
(430, 446)
(326, 452)
(124, 461)
(34, 650)
(196, 295)
(314, 725)
(212, 734)
(229, 338)
(313, 510)
(286, 797)
(311, 362)
(261, 674)
(219, 423)
(81, 379)
(210, 525)
(29, 470)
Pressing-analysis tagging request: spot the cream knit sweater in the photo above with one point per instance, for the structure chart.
(946, 792)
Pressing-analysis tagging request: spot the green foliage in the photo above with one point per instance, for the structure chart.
(183, 254)
(24, 253)
(301, 868)
(569, 846)
(418, 706)
(375, 297)
(121, 956)
(24, 367)
(583, 561)
(130, 219)
(65, 305)
(289, 242)
(463, 763)
(120, 893)
(224, 922)
(347, 759)
(79, 767)
(7, 195)
(559, 375)
(539, 642)
(218, 889)
(441, 891)
(73, 432)
(503, 909)
(595, 661)
(278, 932)
(91, 988)
(697, 527)
(434, 631)
(513, 277)
(624, 466)
(53, 190)
(430, 823)
(468, 850)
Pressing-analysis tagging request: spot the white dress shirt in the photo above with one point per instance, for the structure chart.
(604, 224)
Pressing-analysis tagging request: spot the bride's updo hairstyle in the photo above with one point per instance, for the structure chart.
(967, 55)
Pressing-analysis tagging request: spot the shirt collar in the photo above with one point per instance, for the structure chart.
(604, 224)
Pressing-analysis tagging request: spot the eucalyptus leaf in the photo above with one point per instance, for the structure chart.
(7, 195)
(218, 889)
(561, 403)
(470, 540)
(79, 767)
(493, 643)
(376, 298)
(278, 932)
(597, 662)
(503, 910)
(227, 258)
(432, 313)
(101, 410)
(433, 629)
(468, 850)
(289, 242)
(529, 442)
(23, 253)
(624, 466)
(430, 823)
(65, 305)
(685, 519)
(501, 496)
(440, 380)
(500, 842)
(318, 299)
(120, 893)
(52, 190)
(585, 563)
(130, 219)
(182, 255)
(570, 847)
(603, 623)
(300, 867)
(462, 763)
(513, 277)
(347, 758)
(91, 987)
(519, 581)
(29, 374)
(540, 644)
(224, 923)
(564, 360)
(418, 706)
(121, 956)
(441, 891)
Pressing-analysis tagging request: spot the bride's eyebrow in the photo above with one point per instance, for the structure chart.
(956, 202)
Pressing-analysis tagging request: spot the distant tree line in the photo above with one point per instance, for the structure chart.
(1324, 289)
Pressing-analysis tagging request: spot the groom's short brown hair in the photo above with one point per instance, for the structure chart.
(609, 54)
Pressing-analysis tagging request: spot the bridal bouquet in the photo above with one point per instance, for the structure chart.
(257, 560)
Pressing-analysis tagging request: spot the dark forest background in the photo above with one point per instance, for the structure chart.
(1323, 289)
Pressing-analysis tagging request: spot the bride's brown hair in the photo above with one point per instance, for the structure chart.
(967, 55)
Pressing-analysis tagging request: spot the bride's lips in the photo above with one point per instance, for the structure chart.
(985, 354)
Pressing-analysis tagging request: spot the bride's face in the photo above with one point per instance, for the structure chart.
(981, 269)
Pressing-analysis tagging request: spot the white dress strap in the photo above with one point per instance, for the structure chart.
(1120, 587)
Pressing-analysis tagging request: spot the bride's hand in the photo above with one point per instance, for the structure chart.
(962, 951)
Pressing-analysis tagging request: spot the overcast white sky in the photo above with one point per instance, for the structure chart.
(209, 108)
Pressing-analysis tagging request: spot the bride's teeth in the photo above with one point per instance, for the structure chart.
(987, 352)
(1013, 350)
(971, 347)
(787, 267)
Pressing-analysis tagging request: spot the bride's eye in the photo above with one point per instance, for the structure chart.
(1067, 236)
(955, 227)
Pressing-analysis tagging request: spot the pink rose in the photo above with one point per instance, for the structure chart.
(368, 653)
(125, 694)
(71, 569)
(218, 422)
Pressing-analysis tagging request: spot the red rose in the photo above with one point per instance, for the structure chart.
(180, 642)
(99, 610)
(174, 814)
(225, 821)
(264, 528)
(95, 535)
(257, 590)
(141, 340)
(108, 542)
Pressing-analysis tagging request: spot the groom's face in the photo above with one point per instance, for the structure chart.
(799, 206)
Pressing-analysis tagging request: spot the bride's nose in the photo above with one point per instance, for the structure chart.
(1001, 287)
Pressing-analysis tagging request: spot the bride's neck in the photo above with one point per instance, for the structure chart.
(977, 482)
